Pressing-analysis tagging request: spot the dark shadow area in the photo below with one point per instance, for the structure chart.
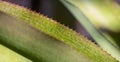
(118, 1)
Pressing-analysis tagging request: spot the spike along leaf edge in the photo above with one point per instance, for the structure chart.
(75, 8)
(58, 31)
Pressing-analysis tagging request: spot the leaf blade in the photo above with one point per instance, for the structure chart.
(53, 29)
(75, 8)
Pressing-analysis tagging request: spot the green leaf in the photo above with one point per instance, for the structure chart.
(34, 44)
(7, 55)
(86, 13)
(44, 40)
